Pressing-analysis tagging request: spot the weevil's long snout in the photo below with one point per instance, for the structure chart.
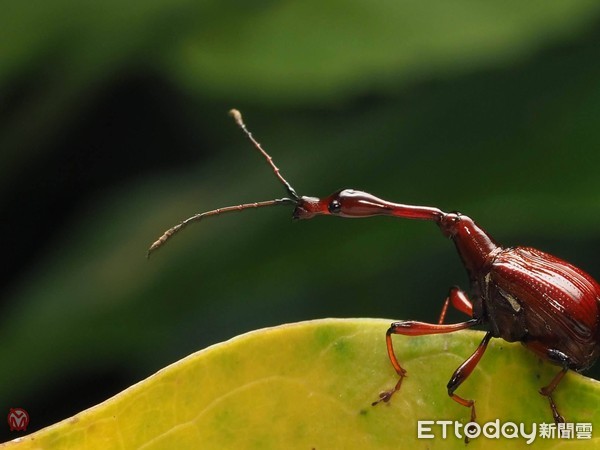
(357, 204)
(343, 203)
(308, 207)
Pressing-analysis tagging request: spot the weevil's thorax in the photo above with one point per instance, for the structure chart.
(476, 250)
(474, 245)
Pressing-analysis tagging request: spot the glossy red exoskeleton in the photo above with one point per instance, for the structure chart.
(520, 293)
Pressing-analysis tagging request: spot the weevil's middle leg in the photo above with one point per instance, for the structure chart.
(463, 372)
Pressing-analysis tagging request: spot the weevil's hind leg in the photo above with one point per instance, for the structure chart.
(463, 372)
(547, 391)
(412, 328)
(459, 300)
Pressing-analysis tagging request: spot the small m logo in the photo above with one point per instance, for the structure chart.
(18, 419)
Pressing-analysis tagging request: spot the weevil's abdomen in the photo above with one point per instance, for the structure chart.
(545, 302)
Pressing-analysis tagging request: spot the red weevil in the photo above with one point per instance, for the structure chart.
(520, 293)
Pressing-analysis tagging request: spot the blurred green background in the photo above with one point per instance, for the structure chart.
(114, 126)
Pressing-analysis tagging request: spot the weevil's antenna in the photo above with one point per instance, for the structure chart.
(237, 116)
(215, 212)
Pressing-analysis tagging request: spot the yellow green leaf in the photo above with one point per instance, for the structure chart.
(310, 385)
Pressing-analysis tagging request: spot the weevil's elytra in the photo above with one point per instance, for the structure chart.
(519, 293)
(559, 303)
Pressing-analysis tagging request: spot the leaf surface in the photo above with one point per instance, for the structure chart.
(311, 385)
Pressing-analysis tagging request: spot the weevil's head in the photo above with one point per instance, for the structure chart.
(343, 203)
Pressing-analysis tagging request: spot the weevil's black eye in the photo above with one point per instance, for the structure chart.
(334, 207)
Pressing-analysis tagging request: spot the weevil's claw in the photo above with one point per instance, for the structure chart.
(386, 396)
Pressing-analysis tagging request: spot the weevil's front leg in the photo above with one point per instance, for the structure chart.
(459, 300)
(413, 328)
